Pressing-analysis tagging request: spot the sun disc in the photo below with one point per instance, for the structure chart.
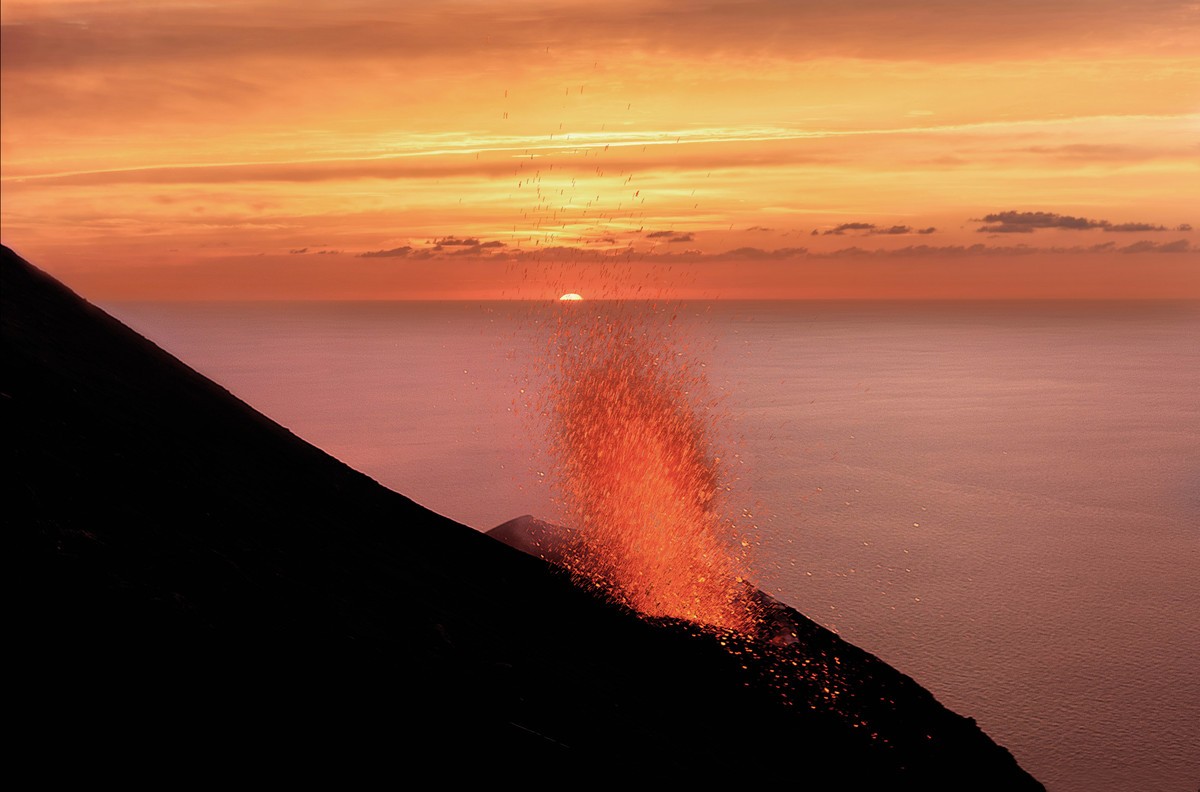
(570, 297)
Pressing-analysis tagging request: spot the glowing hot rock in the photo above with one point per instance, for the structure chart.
(638, 482)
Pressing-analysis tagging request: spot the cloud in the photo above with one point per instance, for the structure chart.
(1006, 229)
(1126, 227)
(439, 248)
(1146, 246)
(671, 236)
(303, 251)
(759, 254)
(473, 250)
(902, 229)
(979, 249)
(125, 34)
(871, 228)
(1026, 222)
(948, 251)
(433, 160)
(399, 252)
(850, 252)
(844, 227)
(1093, 152)
(467, 246)
(566, 254)
(1012, 222)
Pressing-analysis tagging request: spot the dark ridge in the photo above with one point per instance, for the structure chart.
(197, 587)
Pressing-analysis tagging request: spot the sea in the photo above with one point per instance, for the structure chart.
(1000, 499)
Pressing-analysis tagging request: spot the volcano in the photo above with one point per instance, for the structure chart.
(196, 582)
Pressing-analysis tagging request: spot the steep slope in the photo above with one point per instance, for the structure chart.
(184, 560)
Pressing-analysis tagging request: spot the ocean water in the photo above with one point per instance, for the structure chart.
(1000, 499)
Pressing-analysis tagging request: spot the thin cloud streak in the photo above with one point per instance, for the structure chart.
(126, 34)
(524, 148)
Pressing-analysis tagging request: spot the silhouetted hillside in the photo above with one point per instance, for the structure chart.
(194, 579)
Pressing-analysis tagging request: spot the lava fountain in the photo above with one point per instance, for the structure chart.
(636, 473)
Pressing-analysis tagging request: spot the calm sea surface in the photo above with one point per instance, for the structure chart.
(1001, 500)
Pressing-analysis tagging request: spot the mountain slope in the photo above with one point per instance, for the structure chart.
(183, 558)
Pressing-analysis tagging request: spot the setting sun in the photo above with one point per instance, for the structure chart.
(570, 297)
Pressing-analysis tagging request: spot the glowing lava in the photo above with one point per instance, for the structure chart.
(637, 477)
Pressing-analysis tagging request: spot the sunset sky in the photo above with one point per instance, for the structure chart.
(384, 149)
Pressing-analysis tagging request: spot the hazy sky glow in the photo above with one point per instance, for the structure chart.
(767, 148)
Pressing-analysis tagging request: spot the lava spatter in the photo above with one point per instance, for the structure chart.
(637, 474)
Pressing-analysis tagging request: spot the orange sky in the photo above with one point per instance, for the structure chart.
(767, 148)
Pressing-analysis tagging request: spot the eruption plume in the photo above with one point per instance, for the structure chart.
(636, 473)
